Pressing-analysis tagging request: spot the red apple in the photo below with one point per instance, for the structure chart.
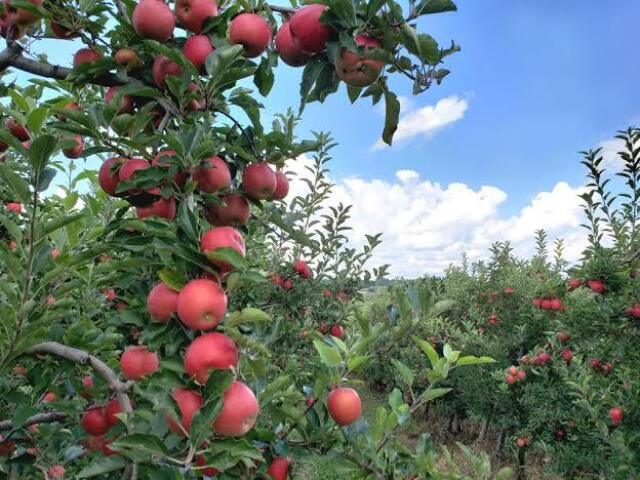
(616, 414)
(597, 286)
(162, 302)
(574, 283)
(162, 68)
(337, 331)
(138, 362)
(289, 48)
(129, 168)
(16, 129)
(14, 207)
(563, 337)
(153, 19)
(22, 16)
(107, 179)
(188, 403)
(344, 405)
(56, 471)
(234, 212)
(213, 175)
(61, 31)
(198, 103)
(211, 351)
(6, 447)
(126, 101)
(86, 55)
(112, 410)
(128, 58)
(77, 149)
(287, 284)
(567, 355)
(259, 181)
(222, 237)
(301, 268)
(49, 397)
(164, 208)
(162, 160)
(201, 461)
(308, 29)
(197, 48)
(239, 411)
(94, 421)
(279, 468)
(358, 71)
(282, 186)
(202, 304)
(252, 32)
(192, 13)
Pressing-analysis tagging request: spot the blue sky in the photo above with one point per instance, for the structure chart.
(536, 82)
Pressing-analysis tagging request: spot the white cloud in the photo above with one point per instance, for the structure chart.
(427, 226)
(426, 121)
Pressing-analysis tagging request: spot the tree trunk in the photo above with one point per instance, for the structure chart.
(499, 441)
(482, 434)
(454, 424)
(522, 461)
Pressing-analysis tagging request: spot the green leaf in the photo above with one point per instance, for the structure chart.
(433, 393)
(230, 256)
(36, 118)
(404, 371)
(471, 360)
(392, 116)
(247, 315)
(103, 465)
(19, 100)
(41, 150)
(175, 280)
(141, 442)
(329, 355)
(264, 78)
(353, 93)
(449, 354)
(16, 183)
(355, 362)
(421, 45)
(427, 7)
(428, 349)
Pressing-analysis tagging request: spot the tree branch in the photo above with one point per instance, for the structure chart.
(49, 417)
(83, 358)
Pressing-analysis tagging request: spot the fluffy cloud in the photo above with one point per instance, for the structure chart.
(427, 226)
(426, 121)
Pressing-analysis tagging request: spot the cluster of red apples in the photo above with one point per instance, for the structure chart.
(553, 303)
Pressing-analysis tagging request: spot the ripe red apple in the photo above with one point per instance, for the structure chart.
(597, 286)
(14, 207)
(211, 351)
(128, 58)
(344, 405)
(567, 355)
(129, 168)
(198, 103)
(189, 402)
(259, 181)
(509, 291)
(282, 186)
(6, 447)
(574, 283)
(126, 102)
(197, 48)
(22, 16)
(511, 379)
(289, 48)
(138, 362)
(77, 149)
(521, 375)
(192, 13)
(61, 31)
(279, 468)
(201, 461)
(212, 175)
(16, 129)
(86, 55)
(49, 397)
(287, 284)
(239, 411)
(309, 401)
(337, 331)
(108, 179)
(252, 32)
(308, 29)
(202, 304)
(162, 160)
(555, 304)
(94, 421)
(56, 471)
(358, 71)
(616, 414)
(222, 237)
(162, 68)
(563, 337)
(234, 212)
(153, 19)
(301, 268)
(164, 208)
(112, 409)
(162, 302)
(542, 358)
(522, 442)
(327, 293)
(493, 319)
(545, 304)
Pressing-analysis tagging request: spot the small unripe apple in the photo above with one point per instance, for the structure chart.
(279, 468)
(344, 405)
(282, 186)
(86, 55)
(189, 402)
(212, 175)
(289, 48)
(259, 181)
(94, 421)
(162, 68)
(308, 29)
(138, 362)
(126, 101)
(164, 208)
(234, 212)
(211, 351)
(77, 149)
(197, 48)
(153, 19)
(192, 13)
(162, 302)
(252, 32)
(202, 304)
(222, 237)
(239, 411)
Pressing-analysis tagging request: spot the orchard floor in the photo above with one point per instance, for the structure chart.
(322, 468)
